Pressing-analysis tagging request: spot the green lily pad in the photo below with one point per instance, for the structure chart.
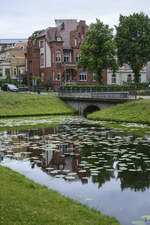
(88, 199)
(139, 222)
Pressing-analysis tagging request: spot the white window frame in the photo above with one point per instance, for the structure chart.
(129, 78)
(41, 44)
(77, 57)
(58, 57)
(42, 59)
(59, 76)
(42, 76)
(113, 79)
(66, 57)
(94, 76)
(83, 76)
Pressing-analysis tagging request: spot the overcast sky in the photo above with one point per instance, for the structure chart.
(20, 18)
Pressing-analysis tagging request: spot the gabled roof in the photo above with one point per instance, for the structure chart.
(63, 29)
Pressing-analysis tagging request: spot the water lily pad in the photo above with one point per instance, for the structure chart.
(72, 174)
(60, 176)
(88, 199)
(82, 171)
(139, 222)
(69, 177)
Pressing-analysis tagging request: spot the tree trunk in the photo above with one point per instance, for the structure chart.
(136, 76)
(99, 75)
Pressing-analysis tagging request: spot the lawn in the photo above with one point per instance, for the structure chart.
(135, 111)
(19, 104)
(22, 202)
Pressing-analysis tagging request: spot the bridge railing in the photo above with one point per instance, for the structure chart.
(93, 94)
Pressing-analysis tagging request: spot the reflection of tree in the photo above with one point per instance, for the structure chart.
(104, 174)
(68, 156)
(137, 181)
(103, 177)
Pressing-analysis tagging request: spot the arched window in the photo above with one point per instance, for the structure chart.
(83, 76)
(129, 78)
(58, 57)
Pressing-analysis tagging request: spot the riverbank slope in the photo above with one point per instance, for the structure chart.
(19, 104)
(132, 117)
(134, 112)
(26, 203)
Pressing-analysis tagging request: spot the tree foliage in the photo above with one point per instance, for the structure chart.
(36, 33)
(133, 41)
(99, 50)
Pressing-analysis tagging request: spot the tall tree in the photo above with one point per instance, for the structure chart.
(133, 41)
(98, 51)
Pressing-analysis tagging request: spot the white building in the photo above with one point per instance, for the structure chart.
(125, 75)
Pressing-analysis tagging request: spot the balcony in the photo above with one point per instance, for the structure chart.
(69, 64)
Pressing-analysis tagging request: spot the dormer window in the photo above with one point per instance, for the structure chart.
(59, 38)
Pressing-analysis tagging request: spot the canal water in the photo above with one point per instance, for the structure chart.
(104, 169)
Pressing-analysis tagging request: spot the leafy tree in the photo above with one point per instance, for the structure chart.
(37, 80)
(8, 78)
(99, 50)
(36, 33)
(133, 42)
(24, 78)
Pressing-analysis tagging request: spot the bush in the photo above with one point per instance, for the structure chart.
(107, 86)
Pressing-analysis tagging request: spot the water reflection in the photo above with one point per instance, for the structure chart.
(77, 152)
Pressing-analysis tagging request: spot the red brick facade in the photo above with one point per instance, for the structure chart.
(53, 55)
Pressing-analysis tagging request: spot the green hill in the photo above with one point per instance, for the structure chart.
(135, 111)
(19, 104)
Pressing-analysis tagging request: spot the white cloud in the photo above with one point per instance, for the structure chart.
(22, 18)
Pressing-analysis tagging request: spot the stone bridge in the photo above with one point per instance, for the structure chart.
(86, 102)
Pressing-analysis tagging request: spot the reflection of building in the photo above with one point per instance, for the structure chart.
(53, 55)
(12, 61)
(125, 75)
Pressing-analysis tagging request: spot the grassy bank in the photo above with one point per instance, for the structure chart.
(23, 202)
(18, 104)
(32, 123)
(135, 111)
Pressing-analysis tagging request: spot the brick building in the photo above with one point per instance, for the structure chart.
(53, 55)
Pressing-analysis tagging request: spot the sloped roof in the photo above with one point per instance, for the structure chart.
(63, 29)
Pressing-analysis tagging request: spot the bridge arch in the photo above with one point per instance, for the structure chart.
(90, 108)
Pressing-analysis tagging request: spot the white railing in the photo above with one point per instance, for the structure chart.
(94, 95)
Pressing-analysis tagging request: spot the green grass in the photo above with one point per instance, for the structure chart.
(18, 104)
(32, 123)
(135, 111)
(23, 202)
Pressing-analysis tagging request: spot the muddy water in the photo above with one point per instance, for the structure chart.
(106, 170)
